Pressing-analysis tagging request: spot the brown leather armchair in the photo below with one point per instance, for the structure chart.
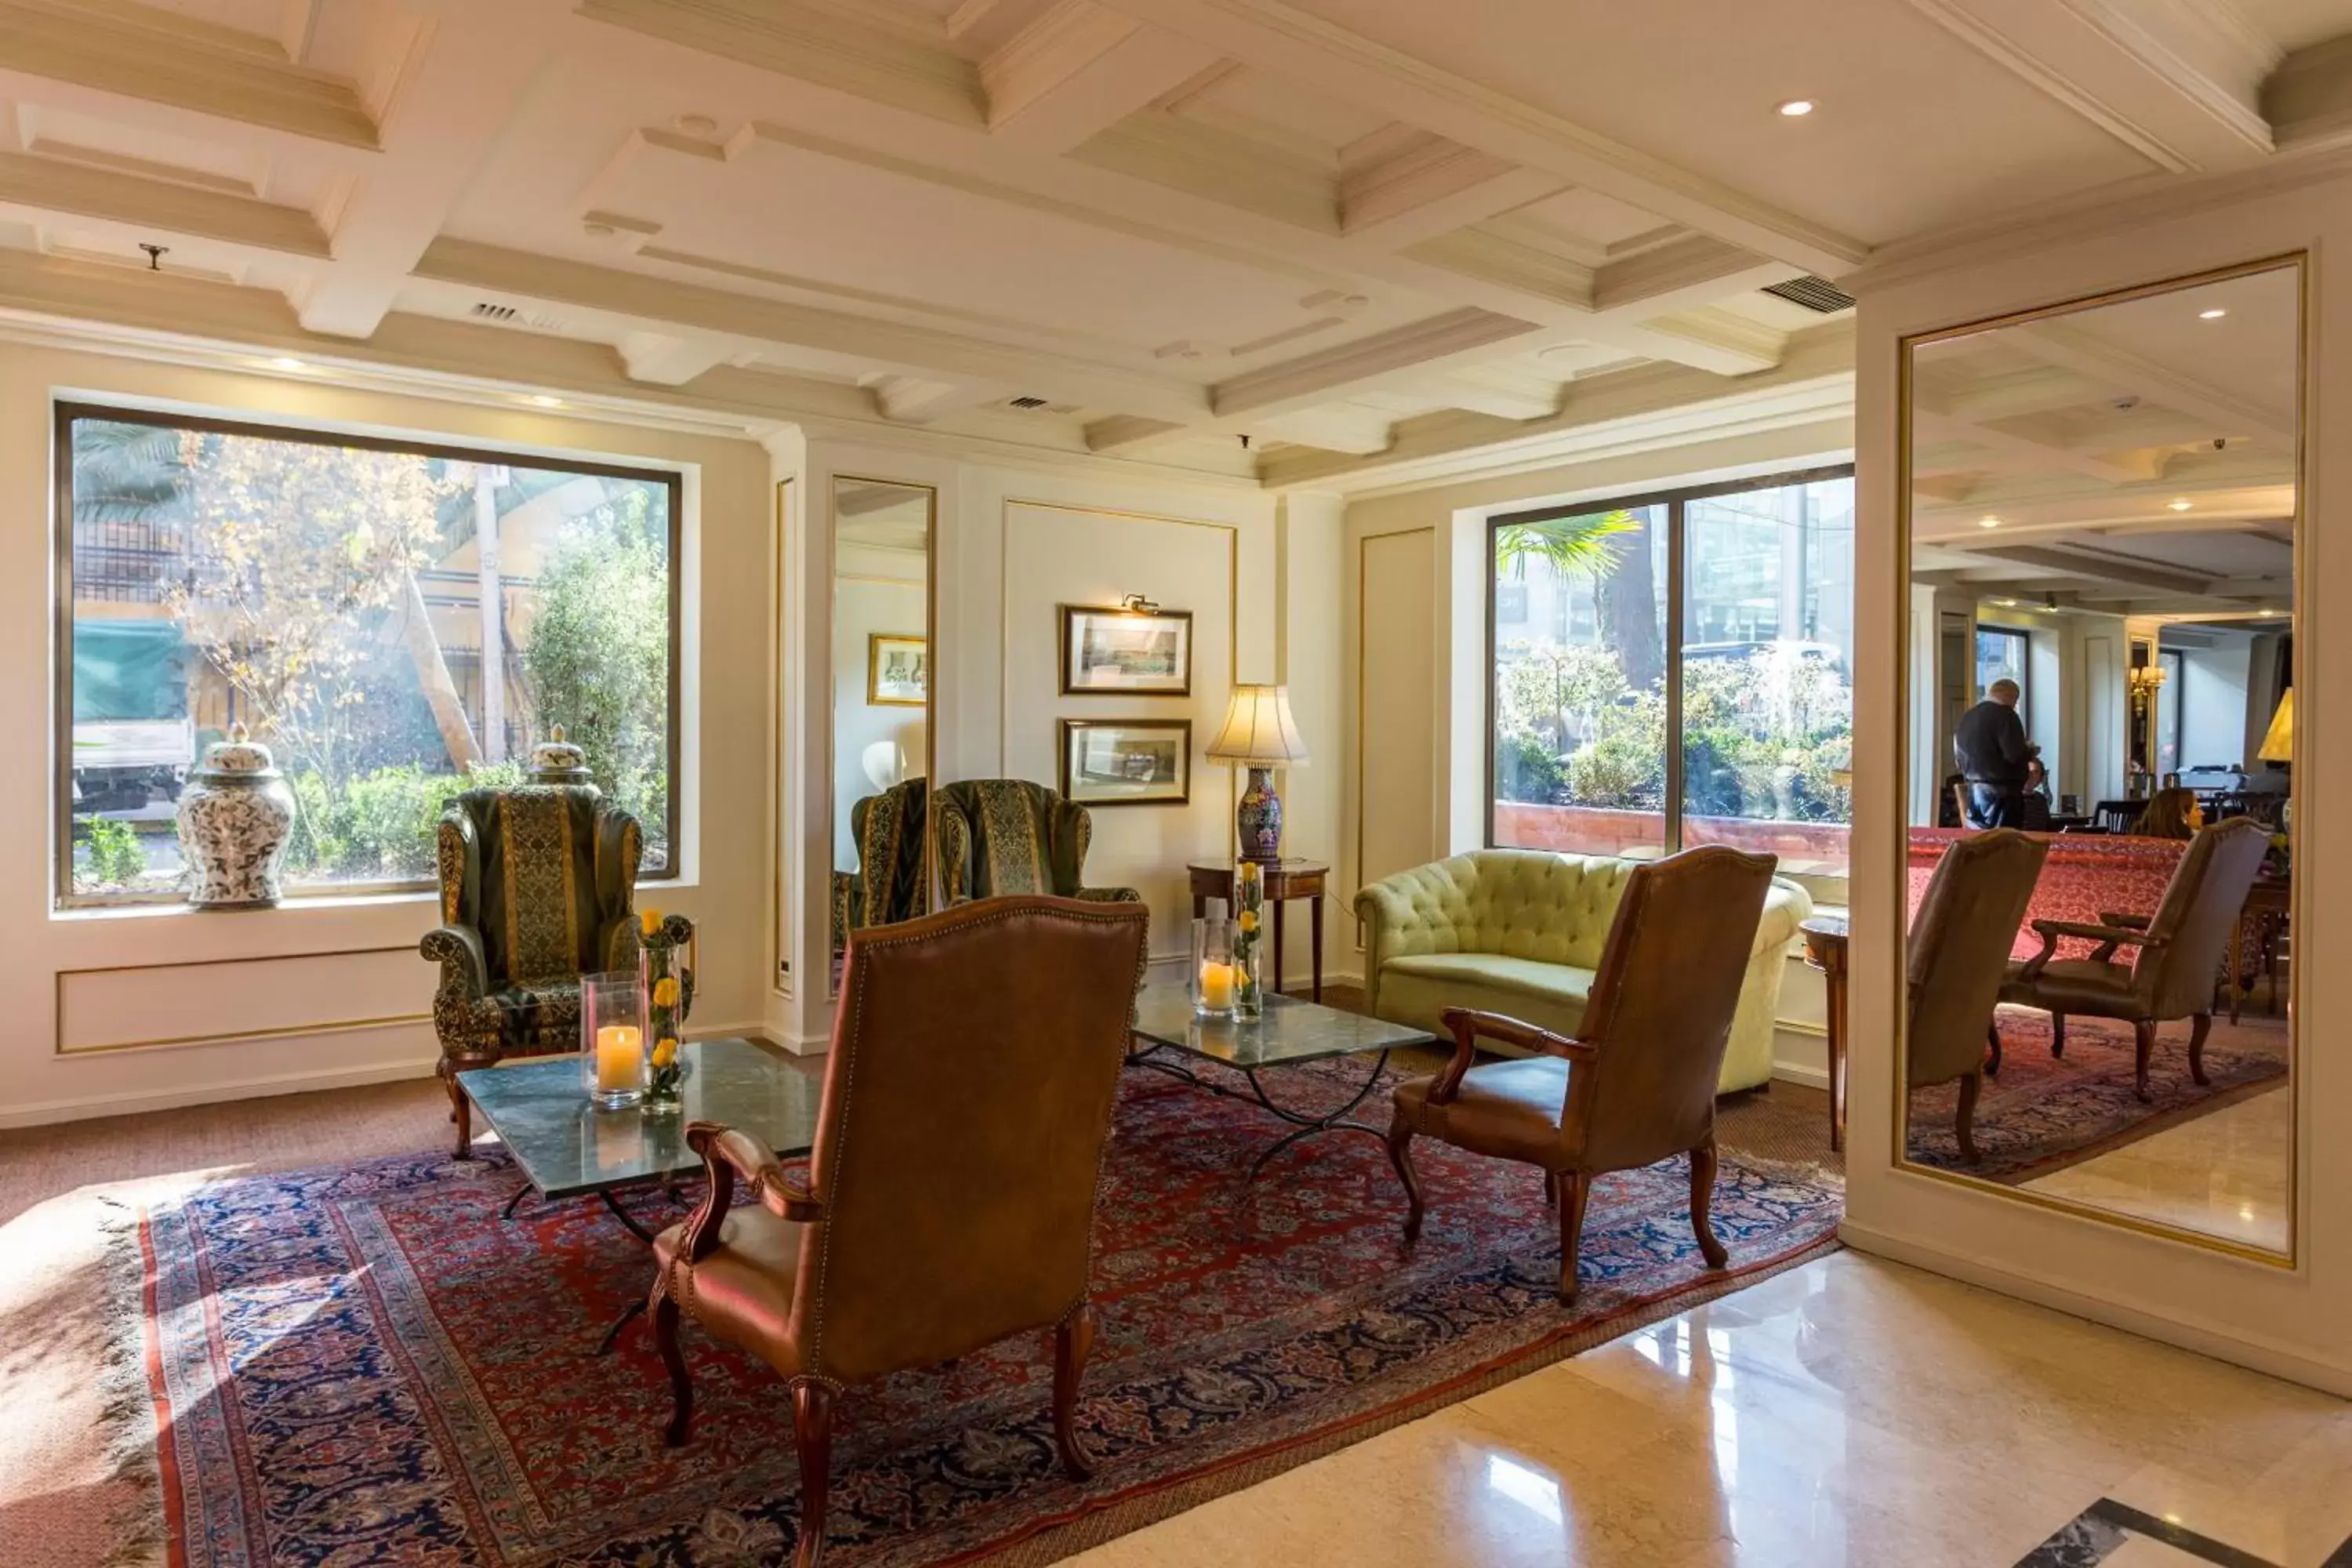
(950, 1200)
(1639, 1086)
(2177, 952)
(1958, 957)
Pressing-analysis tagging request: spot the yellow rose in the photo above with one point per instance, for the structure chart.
(649, 922)
(1248, 920)
(666, 992)
(665, 1051)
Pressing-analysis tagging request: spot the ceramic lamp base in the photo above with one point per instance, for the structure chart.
(1260, 818)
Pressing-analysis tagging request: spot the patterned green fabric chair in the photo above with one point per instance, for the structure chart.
(1002, 836)
(889, 885)
(538, 888)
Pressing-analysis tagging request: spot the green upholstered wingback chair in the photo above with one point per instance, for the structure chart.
(1002, 836)
(538, 888)
(890, 884)
(1520, 932)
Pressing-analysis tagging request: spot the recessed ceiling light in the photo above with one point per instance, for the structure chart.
(1795, 108)
(696, 124)
(2005, 603)
(1988, 521)
(2179, 503)
(287, 362)
(2215, 314)
(543, 401)
(2266, 614)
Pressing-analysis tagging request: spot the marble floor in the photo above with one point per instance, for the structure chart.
(1847, 1413)
(2223, 1173)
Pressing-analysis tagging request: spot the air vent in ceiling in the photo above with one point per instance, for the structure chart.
(1025, 403)
(1813, 294)
(515, 316)
(486, 311)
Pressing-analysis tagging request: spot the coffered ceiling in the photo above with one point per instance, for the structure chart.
(1318, 242)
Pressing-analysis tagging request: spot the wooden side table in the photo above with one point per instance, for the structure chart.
(1825, 951)
(2264, 920)
(1285, 880)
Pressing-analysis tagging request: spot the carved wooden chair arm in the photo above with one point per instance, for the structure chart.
(727, 1153)
(2108, 937)
(1469, 1026)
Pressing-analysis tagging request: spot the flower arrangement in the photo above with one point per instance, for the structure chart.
(1249, 921)
(665, 999)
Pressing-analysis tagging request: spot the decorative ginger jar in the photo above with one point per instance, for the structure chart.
(236, 816)
(556, 760)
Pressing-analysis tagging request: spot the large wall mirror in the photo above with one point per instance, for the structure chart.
(2102, 528)
(883, 535)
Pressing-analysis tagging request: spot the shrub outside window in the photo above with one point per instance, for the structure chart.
(1721, 616)
(397, 620)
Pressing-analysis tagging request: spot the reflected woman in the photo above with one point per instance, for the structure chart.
(2170, 814)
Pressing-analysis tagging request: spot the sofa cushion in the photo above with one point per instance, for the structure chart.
(1496, 974)
(1549, 996)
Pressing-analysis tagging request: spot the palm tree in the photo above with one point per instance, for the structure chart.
(1612, 551)
(124, 473)
(1572, 546)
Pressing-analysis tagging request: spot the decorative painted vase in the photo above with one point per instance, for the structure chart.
(556, 760)
(236, 816)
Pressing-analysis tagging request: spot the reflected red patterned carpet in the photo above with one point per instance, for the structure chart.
(368, 1365)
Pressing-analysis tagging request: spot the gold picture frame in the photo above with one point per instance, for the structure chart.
(1109, 651)
(1126, 762)
(897, 669)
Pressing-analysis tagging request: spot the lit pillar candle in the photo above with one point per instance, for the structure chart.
(1216, 986)
(620, 1054)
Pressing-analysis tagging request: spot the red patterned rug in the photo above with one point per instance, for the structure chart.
(367, 1365)
(2043, 1113)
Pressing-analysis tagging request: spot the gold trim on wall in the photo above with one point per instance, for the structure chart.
(779, 926)
(2298, 915)
(58, 1046)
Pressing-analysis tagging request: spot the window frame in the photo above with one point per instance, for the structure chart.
(2023, 637)
(63, 412)
(1675, 501)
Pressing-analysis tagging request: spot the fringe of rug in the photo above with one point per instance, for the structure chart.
(126, 1403)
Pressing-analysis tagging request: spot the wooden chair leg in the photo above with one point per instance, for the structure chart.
(1970, 1086)
(1576, 1189)
(2143, 1042)
(461, 1111)
(1551, 1189)
(1400, 1156)
(2057, 1034)
(813, 1435)
(681, 1385)
(2199, 1026)
(1074, 1342)
(1702, 1164)
(1992, 1049)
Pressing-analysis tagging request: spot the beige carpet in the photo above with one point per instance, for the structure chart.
(64, 1190)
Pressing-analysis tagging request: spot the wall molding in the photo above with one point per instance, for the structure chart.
(41, 1114)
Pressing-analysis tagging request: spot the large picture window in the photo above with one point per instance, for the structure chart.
(1682, 675)
(397, 620)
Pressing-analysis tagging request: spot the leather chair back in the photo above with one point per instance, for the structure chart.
(545, 872)
(1960, 945)
(976, 1054)
(1662, 1005)
(1003, 836)
(2200, 916)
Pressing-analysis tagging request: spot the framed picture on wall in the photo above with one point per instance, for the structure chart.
(1126, 762)
(897, 670)
(1135, 652)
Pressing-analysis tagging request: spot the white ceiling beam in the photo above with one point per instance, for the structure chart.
(626, 295)
(1489, 392)
(1278, 38)
(658, 359)
(1336, 428)
(2071, 349)
(1694, 270)
(2088, 563)
(2308, 100)
(1401, 186)
(2177, 81)
(151, 208)
(1078, 69)
(980, 27)
(2008, 449)
(919, 400)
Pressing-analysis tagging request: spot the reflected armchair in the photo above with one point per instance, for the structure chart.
(950, 1203)
(538, 888)
(2177, 953)
(1638, 1084)
(1958, 957)
(1001, 836)
(890, 883)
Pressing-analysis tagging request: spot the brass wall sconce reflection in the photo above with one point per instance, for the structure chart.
(2146, 680)
(1137, 604)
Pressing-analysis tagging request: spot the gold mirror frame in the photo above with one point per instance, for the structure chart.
(930, 694)
(1907, 351)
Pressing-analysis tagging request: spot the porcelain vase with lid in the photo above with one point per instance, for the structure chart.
(236, 816)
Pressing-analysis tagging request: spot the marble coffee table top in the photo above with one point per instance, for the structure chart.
(1290, 1030)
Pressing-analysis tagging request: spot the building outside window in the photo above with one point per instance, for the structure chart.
(1722, 617)
(2003, 654)
(397, 621)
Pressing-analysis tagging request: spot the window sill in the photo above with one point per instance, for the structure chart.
(80, 912)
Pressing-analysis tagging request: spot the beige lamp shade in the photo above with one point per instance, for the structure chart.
(2278, 745)
(1259, 732)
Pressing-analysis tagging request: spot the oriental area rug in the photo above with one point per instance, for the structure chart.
(2043, 1113)
(369, 1365)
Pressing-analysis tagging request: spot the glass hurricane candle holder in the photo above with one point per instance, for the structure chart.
(1215, 976)
(612, 1038)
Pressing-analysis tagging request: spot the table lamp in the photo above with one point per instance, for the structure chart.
(1260, 735)
(2278, 743)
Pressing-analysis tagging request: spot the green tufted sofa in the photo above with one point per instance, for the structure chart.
(1519, 931)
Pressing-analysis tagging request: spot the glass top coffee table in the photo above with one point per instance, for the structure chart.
(1167, 1032)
